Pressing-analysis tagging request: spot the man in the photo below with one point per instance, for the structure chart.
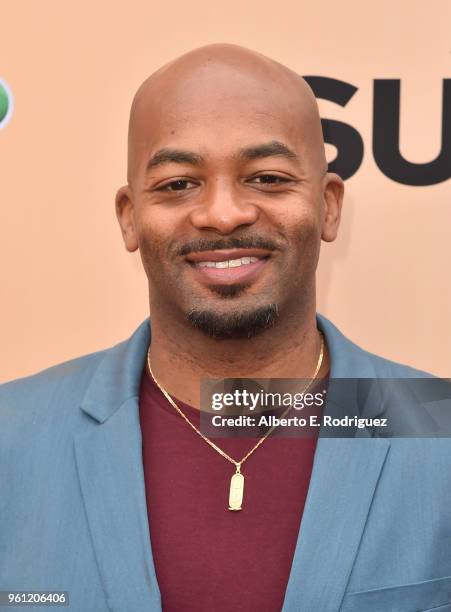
(109, 491)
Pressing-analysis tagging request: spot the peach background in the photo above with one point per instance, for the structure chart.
(68, 287)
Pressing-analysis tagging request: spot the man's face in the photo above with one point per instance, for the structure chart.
(226, 203)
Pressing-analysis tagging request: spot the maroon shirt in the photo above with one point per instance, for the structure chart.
(206, 556)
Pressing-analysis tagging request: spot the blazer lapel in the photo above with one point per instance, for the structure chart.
(343, 482)
(342, 486)
(109, 463)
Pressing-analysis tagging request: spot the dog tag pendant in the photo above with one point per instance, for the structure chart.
(236, 490)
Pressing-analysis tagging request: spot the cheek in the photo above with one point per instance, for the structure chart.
(152, 242)
(304, 240)
(298, 217)
(303, 231)
(157, 242)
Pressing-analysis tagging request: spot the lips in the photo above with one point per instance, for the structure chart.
(226, 255)
(228, 266)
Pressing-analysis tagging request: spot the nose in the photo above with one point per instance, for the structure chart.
(223, 209)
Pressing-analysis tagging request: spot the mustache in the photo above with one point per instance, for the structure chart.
(242, 242)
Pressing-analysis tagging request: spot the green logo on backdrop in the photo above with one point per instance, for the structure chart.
(5, 103)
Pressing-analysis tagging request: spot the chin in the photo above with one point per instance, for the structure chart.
(235, 325)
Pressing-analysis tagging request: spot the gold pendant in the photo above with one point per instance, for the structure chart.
(236, 490)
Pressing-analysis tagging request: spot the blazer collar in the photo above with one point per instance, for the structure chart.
(117, 377)
(346, 358)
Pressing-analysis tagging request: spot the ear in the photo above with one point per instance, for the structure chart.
(125, 216)
(333, 190)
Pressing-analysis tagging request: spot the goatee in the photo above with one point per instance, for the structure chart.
(234, 325)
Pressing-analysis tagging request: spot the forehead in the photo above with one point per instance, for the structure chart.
(218, 110)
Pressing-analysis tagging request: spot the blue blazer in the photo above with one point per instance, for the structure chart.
(375, 533)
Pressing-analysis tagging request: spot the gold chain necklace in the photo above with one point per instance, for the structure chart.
(236, 491)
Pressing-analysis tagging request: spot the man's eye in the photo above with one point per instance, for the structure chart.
(178, 185)
(270, 179)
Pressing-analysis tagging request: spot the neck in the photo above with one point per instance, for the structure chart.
(181, 355)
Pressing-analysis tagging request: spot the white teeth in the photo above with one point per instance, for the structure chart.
(229, 263)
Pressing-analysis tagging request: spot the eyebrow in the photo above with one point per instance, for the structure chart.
(268, 149)
(180, 156)
(177, 156)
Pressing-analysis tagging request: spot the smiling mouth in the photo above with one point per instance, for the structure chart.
(228, 263)
(228, 267)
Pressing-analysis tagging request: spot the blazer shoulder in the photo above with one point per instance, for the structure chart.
(59, 384)
(349, 360)
(66, 395)
(386, 368)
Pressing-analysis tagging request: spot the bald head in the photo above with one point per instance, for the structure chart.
(220, 83)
